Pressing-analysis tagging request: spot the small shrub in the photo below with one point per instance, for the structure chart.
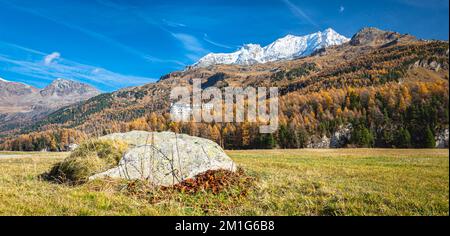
(90, 158)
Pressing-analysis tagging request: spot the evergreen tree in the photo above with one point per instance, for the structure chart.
(403, 139)
(302, 138)
(266, 141)
(283, 137)
(429, 141)
(367, 139)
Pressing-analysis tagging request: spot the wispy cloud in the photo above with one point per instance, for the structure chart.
(51, 57)
(341, 9)
(191, 44)
(95, 35)
(299, 13)
(159, 60)
(173, 24)
(207, 39)
(47, 70)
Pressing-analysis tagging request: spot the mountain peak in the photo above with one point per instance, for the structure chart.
(61, 80)
(287, 37)
(286, 48)
(31, 103)
(330, 30)
(64, 87)
(371, 36)
(251, 46)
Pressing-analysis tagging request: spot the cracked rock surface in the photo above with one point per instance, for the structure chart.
(166, 158)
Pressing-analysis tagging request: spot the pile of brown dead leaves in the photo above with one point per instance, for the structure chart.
(234, 185)
(215, 181)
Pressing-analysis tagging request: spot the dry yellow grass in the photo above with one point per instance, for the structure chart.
(289, 182)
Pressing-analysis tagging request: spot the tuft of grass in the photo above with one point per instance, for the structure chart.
(91, 157)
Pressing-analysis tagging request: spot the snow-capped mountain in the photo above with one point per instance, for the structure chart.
(286, 48)
(11, 83)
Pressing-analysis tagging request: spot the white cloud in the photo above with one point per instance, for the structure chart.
(341, 9)
(159, 60)
(45, 71)
(173, 24)
(191, 44)
(93, 34)
(207, 39)
(51, 57)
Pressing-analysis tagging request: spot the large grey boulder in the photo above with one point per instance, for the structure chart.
(319, 143)
(442, 139)
(341, 137)
(166, 158)
(337, 140)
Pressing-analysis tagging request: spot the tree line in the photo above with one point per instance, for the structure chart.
(394, 115)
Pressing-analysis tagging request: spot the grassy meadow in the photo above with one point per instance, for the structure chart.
(286, 182)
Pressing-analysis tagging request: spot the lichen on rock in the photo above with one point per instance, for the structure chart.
(166, 158)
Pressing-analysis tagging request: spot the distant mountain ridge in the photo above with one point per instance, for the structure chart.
(13, 89)
(62, 88)
(288, 47)
(58, 93)
(21, 103)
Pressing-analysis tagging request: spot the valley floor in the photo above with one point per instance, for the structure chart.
(288, 182)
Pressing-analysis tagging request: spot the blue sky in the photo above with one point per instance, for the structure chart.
(112, 44)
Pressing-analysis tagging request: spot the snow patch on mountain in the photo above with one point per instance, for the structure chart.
(12, 82)
(286, 48)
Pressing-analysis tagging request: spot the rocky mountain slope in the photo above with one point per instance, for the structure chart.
(15, 97)
(23, 104)
(374, 36)
(289, 47)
